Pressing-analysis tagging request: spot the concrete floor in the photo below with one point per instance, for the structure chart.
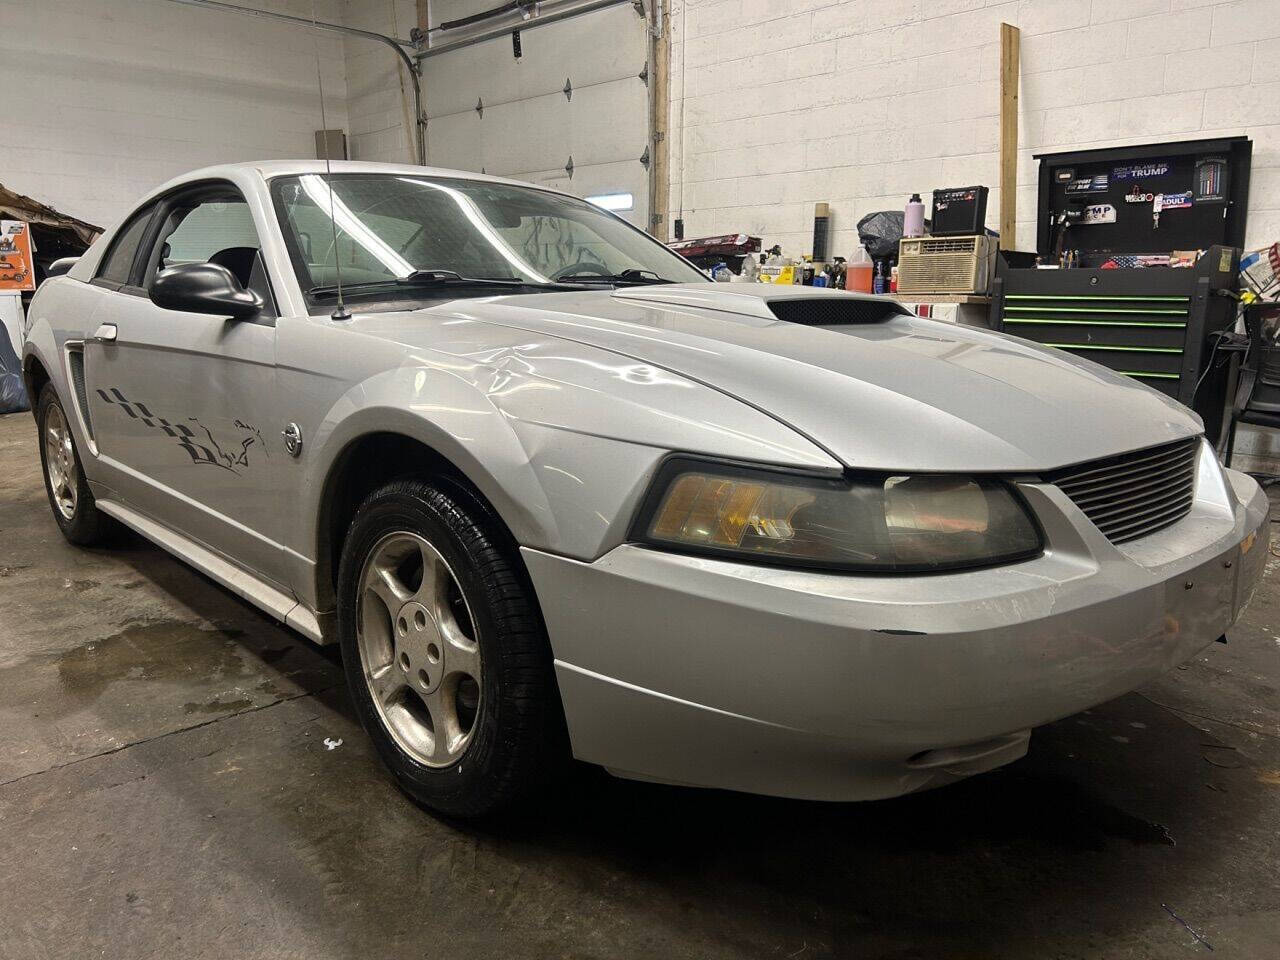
(167, 790)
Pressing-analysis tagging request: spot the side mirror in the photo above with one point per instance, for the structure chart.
(60, 266)
(204, 288)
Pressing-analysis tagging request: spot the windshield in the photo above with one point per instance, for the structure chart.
(391, 230)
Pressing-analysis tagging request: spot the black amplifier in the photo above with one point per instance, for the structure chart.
(959, 212)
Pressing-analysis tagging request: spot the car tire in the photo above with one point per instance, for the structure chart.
(444, 650)
(74, 508)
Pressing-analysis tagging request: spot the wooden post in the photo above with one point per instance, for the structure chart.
(660, 107)
(1009, 54)
(424, 15)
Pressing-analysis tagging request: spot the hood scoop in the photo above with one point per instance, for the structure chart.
(827, 312)
(809, 306)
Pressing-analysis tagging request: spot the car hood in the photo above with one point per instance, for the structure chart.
(899, 393)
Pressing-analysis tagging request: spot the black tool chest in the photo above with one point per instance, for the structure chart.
(1108, 220)
(1155, 325)
(1205, 185)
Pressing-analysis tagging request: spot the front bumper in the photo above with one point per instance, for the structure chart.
(842, 687)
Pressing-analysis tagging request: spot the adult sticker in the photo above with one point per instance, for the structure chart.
(1098, 184)
(1140, 171)
(1099, 213)
(1174, 201)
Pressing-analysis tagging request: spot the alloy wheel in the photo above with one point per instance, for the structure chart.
(60, 462)
(418, 649)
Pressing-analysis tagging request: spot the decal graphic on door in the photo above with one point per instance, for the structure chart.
(193, 441)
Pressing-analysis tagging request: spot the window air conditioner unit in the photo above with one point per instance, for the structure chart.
(945, 266)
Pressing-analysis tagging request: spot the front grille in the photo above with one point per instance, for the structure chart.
(1134, 494)
(834, 311)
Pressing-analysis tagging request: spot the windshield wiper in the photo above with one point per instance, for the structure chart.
(435, 278)
(626, 276)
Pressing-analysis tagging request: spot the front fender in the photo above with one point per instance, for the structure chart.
(561, 438)
(59, 312)
(457, 422)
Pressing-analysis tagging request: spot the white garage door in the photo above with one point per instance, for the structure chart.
(513, 118)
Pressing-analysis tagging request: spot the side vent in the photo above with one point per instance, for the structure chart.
(75, 359)
(834, 311)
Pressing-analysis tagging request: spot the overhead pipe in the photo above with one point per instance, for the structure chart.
(395, 43)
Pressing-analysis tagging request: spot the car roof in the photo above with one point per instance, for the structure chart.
(267, 169)
(240, 173)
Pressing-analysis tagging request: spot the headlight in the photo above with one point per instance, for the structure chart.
(876, 524)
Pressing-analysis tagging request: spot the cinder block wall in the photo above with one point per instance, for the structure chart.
(104, 100)
(777, 104)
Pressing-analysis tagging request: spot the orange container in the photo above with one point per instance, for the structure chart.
(858, 277)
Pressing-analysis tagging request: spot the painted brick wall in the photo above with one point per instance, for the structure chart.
(777, 104)
(105, 100)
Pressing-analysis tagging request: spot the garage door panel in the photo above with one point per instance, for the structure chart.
(601, 46)
(542, 134)
(454, 81)
(595, 131)
(529, 128)
(606, 45)
(533, 133)
(455, 142)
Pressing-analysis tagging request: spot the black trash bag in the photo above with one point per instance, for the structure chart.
(880, 233)
(13, 395)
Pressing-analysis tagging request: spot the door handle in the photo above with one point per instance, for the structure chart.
(106, 333)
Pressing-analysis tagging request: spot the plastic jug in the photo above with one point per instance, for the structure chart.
(858, 273)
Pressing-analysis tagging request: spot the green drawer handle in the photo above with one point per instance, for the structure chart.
(1029, 296)
(1096, 323)
(1102, 346)
(1176, 313)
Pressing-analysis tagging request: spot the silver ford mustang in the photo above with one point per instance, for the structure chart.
(553, 492)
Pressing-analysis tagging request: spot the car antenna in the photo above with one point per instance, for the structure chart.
(340, 312)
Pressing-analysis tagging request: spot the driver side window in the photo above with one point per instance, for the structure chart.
(213, 228)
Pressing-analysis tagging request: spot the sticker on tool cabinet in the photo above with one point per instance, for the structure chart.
(1065, 175)
(1174, 201)
(1099, 213)
(1138, 171)
(1137, 196)
(1098, 184)
(1211, 177)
